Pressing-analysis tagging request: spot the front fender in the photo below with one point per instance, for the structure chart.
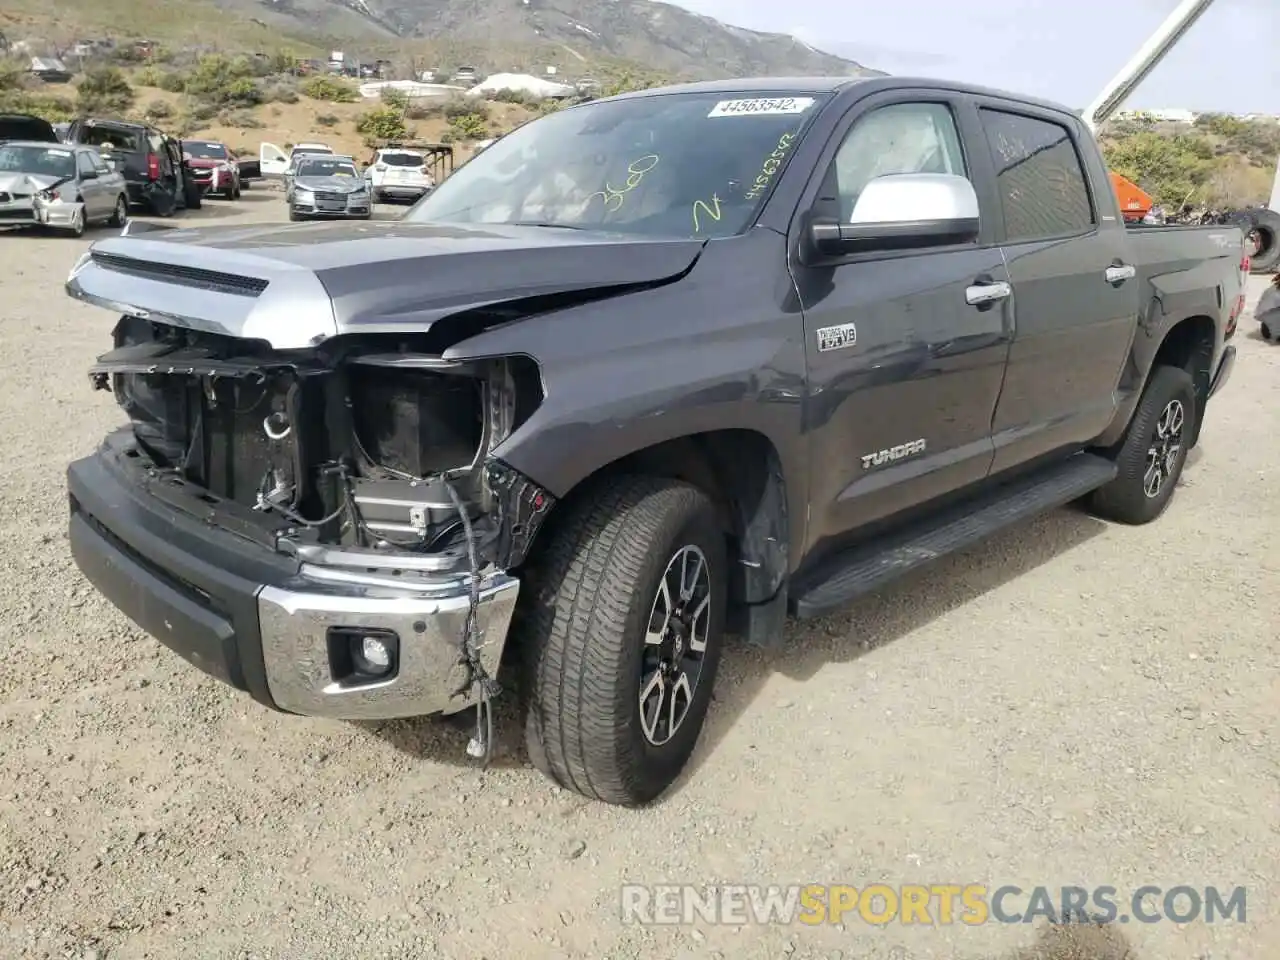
(720, 349)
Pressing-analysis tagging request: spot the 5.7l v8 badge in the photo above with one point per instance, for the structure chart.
(837, 338)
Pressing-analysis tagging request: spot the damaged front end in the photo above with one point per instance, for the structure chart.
(368, 461)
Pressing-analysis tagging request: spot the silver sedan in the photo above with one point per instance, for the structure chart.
(328, 187)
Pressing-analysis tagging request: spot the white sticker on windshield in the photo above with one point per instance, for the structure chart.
(761, 107)
(58, 153)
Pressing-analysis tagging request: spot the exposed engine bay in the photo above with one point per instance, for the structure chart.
(373, 446)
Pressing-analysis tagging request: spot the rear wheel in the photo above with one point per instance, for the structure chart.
(621, 633)
(1153, 452)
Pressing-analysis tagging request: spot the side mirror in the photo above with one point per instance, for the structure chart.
(88, 174)
(903, 211)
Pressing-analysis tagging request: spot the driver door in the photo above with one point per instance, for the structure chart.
(906, 349)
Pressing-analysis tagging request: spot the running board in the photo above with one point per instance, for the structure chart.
(863, 570)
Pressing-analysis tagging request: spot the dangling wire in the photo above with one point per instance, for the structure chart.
(479, 679)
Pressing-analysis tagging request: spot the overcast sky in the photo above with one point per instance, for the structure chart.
(1064, 50)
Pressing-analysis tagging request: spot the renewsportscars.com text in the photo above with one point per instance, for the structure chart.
(926, 904)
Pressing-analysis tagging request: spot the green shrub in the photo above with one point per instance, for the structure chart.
(469, 126)
(327, 120)
(148, 77)
(518, 97)
(462, 106)
(159, 109)
(172, 81)
(329, 89)
(280, 90)
(104, 90)
(241, 93)
(382, 123)
(395, 98)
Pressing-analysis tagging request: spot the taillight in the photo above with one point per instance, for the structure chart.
(424, 169)
(153, 167)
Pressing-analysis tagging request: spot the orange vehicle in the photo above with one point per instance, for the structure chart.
(1135, 203)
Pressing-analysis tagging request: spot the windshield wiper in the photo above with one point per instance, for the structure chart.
(546, 223)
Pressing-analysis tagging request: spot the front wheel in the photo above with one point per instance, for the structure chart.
(1153, 452)
(621, 630)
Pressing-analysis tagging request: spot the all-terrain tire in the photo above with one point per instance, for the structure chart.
(588, 605)
(1129, 498)
(1267, 225)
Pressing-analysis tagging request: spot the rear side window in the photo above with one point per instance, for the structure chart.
(112, 139)
(1039, 175)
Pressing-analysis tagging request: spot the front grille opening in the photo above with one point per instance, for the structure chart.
(197, 277)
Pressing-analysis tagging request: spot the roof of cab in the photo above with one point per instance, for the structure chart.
(835, 85)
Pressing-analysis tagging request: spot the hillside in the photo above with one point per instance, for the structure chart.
(579, 37)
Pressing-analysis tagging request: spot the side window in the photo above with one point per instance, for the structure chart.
(98, 163)
(901, 138)
(1039, 177)
(84, 162)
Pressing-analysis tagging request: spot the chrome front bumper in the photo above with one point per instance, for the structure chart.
(428, 624)
(275, 625)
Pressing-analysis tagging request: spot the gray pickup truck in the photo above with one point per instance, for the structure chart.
(649, 370)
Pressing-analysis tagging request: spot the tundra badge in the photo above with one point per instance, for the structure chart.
(900, 452)
(837, 338)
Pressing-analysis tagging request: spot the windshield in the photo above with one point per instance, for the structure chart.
(45, 161)
(204, 151)
(686, 164)
(321, 167)
(402, 159)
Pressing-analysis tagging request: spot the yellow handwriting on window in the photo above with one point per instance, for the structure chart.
(712, 210)
(771, 165)
(613, 197)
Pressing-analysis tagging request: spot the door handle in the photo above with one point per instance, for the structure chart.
(1120, 272)
(981, 293)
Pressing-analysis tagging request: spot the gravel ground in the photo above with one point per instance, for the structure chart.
(1071, 703)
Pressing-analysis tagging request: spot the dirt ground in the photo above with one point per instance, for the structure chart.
(1071, 703)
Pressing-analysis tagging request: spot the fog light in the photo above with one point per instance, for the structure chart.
(375, 653)
(359, 656)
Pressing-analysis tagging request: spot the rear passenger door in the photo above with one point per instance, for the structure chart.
(1074, 319)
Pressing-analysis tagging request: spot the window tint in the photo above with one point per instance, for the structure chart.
(84, 162)
(902, 138)
(1041, 181)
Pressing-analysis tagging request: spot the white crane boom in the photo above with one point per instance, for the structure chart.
(1144, 61)
(1147, 59)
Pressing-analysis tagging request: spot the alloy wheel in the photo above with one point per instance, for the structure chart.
(1166, 446)
(675, 644)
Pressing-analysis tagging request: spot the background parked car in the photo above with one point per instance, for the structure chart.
(213, 169)
(151, 162)
(398, 173)
(25, 126)
(329, 186)
(62, 186)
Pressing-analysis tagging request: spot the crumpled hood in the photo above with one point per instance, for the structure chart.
(331, 184)
(18, 182)
(297, 285)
